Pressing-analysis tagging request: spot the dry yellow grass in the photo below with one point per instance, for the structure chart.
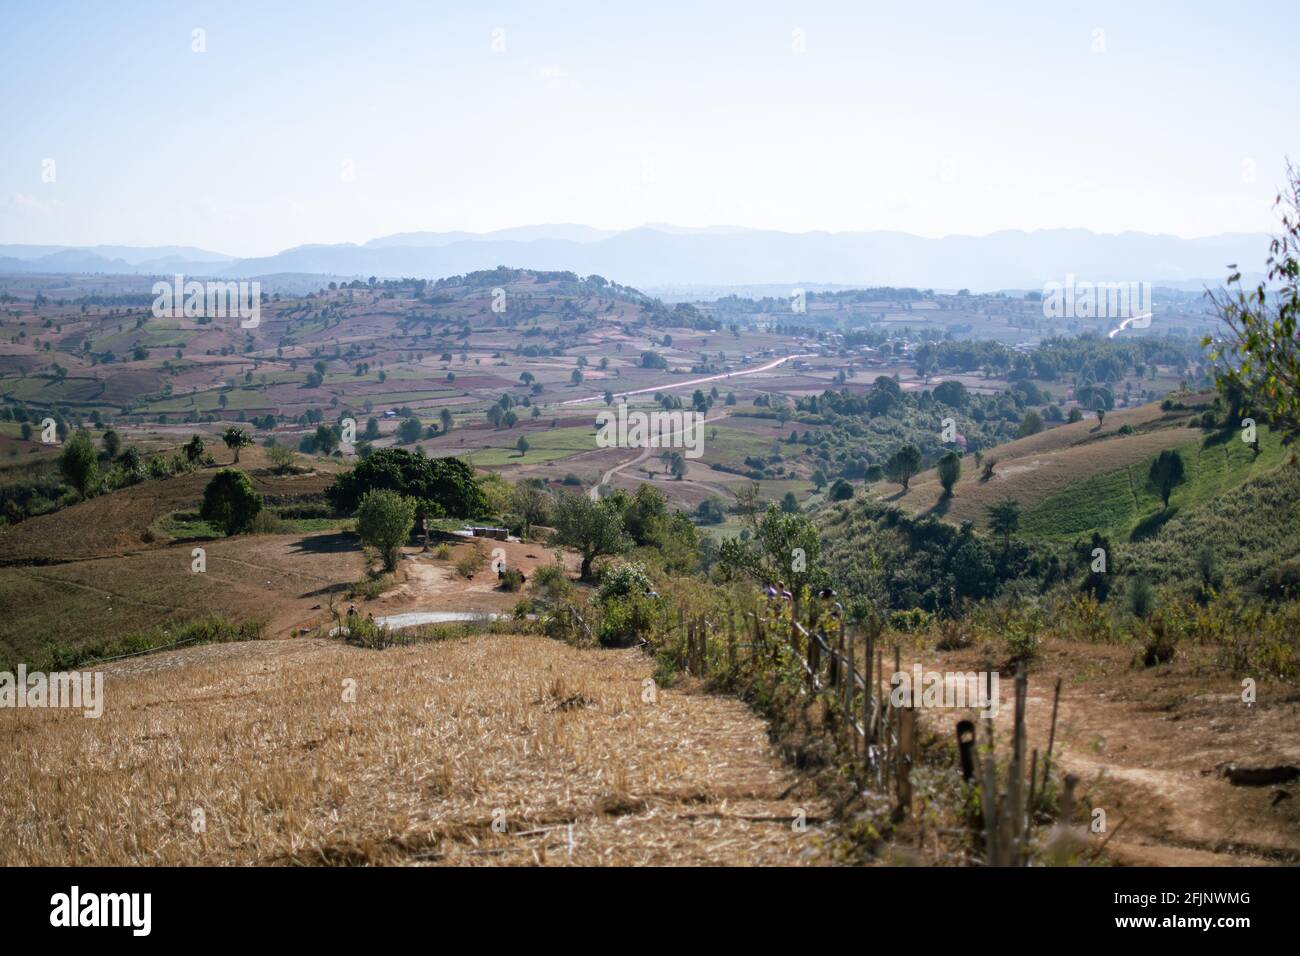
(261, 741)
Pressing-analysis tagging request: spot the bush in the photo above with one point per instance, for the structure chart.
(511, 580)
(624, 579)
(281, 458)
(264, 522)
(471, 562)
(1141, 596)
(1161, 643)
(626, 620)
(551, 583)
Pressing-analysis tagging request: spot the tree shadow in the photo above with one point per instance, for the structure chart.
(940, 507)
(335, 543)
(1150, 526)
(1218, 438)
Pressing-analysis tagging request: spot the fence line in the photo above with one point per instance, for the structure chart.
(882, 737)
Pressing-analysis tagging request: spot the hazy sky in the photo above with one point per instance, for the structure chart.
(332, 122)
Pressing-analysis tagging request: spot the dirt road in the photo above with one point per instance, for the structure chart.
(670, 386)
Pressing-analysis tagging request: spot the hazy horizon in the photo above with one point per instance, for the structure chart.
(292, 128)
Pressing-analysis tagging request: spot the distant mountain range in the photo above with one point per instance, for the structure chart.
(659, 255)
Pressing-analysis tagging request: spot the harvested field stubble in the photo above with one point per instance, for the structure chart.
(254, 754)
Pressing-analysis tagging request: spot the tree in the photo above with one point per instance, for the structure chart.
(903, 464)
(112, 444)
(193, 449)
(326, 439)
(281, 458)
(952, 393)
(841, 490)
(1167, 473)
(79, 463)
(1260, 355)
(427, 512)
(410, 430)
(1004, 520)
(235, 439)
(677, 465)
(1031, 424)
(384, 521)
(229, 501)
(449, 481)
(531, 502)
(591, 528)
(789, 503)
(444, 417)
(522, 446)
(949, 472)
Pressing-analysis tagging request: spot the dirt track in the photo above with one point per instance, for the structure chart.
(1149, 746)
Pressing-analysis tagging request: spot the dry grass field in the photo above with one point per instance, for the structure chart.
(313, 752)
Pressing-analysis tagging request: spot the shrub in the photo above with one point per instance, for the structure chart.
(551, 583)
(281, 458)
(471, 562)
(1141, 596)
(625, 579)
(264, 522)
(1161, 643)
(628, 619)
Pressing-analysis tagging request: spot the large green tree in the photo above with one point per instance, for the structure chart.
(384, 521)
(592, 528)
(229, 501)
(448, 481)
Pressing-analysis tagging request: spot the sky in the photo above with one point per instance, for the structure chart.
(286, 123)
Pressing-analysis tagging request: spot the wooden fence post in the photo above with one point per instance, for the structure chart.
(850, 684)
(966, 747)
(906, 754)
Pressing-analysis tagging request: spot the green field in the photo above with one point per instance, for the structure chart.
(208, 401)
(1121, 502)
(543, 446)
